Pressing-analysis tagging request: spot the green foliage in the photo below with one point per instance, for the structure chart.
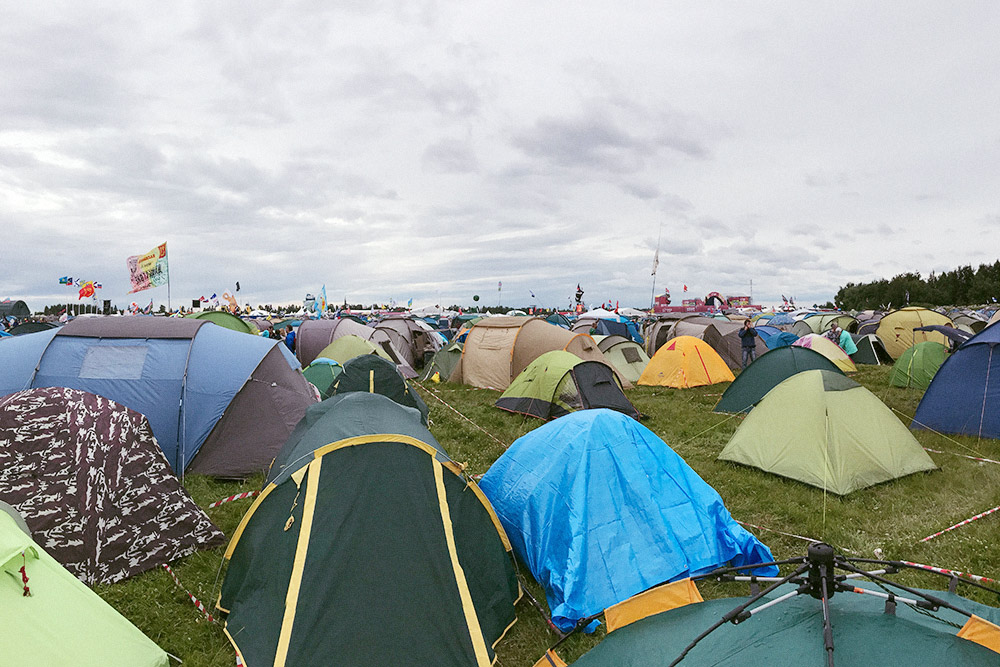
(963, 286)
(892, 516)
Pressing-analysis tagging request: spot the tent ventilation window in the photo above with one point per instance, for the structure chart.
(104, 362)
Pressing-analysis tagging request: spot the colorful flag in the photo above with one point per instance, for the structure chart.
(499, 285)
(409, 303)
(149, 270)
(65, 280)
(320, 303)
(685, 288)
(148, 309)
(87, 289)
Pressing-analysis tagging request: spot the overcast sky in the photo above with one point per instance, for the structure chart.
(404, 149)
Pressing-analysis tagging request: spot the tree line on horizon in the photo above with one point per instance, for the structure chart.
(964, 286)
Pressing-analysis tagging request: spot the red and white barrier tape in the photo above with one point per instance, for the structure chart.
(961, 523)
(952, 573)
(238, 496)
(196, 601)
(964, 456)
(798, 537)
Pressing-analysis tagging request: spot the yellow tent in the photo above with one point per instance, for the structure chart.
(897, 329)
(828, 349)
(685, 362)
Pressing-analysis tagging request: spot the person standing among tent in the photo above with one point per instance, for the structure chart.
(748, 336)
(844, 340)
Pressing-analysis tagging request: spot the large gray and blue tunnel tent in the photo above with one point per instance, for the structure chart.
(367, 546)
(964, 396)
(600, 509)
(219, 402)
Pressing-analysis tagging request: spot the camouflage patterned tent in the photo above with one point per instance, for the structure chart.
(94, 487)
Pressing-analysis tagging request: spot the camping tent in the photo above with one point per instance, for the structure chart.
(94, 486)
(220, 403)
(445, 360)
(964, 396)
(10, 308)
(627, 356)
(373, 374)
(725, 339)
(367, 546)
(600, 509)
(497, 349)
(917, 365)
(685, 362)
(227, 320)
(322, 373)
(58, 620)
(828, 349)
(767, 372)
(559, 382)
(824, 429)
(864, 633)
(314, 335)
(870, 350)
(416, 342)
(896, 330)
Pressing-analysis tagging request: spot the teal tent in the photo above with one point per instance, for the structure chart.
(767, 372)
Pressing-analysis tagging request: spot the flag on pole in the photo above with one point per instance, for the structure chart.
(320, 303)
(409, 303)
(499, 285)
(149, 270)
(237, 286)
(685, 288)
(65, 280)
(532, 294)
(656, 261)
(87, 289)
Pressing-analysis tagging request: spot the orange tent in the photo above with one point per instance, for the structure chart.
(685, 362)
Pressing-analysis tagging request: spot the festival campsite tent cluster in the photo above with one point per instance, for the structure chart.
(99, 418)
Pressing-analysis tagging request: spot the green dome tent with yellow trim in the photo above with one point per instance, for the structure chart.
(367, 546)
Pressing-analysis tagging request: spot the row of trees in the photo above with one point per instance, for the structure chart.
(963, 286)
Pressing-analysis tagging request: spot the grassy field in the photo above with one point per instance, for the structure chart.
(892, 516)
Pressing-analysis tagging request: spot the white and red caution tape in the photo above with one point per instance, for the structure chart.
(950, 573)
(961, 523)
(964, 456)
(196, 601)
(238, 496)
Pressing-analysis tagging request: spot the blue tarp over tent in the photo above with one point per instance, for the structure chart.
(601, 509)
(178, 373)
(964, 396)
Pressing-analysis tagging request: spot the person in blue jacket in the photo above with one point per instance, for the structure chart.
(748, 336)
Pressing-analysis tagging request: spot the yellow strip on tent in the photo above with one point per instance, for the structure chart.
(471, 618)
(982, 632)
(662, 598)
(299, 564)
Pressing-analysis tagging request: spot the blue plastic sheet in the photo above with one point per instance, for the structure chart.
(600, 509)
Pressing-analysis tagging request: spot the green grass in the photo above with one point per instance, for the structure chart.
(892, 516)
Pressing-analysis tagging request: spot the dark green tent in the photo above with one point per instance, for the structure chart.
(444, 360)
(322, 373)
(870, 350)
(767, 372)
(375, 375)
(918, 365)
(559, 382)
(791, 634)
(367, 546)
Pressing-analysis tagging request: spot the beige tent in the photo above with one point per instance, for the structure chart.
(627, 357)
(897, 329)
(497, 349)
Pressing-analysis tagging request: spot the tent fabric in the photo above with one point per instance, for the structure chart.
(18, 309)
(442, 588)
(896, 329)
(964, 396)
(956, 336)
(182, 374)
(599, 508)
(62, 622)
(314, 335)
(791, 634)
(227, 320)
(870, 350)
(444, 360)
(781, 339)
(685, 362)
(768, 371)
(370, 373)
(498, 349)
(30, 327)
(93, 485)
(322, 373)
(807, 429)
(418, 343)
(724, 339)
(627, 357)
(917, 365)
(558, 382)
(828, 349)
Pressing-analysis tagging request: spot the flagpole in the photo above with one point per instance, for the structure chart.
(656, 264)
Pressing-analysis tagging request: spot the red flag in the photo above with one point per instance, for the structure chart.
(86, 290)
(685, 288)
